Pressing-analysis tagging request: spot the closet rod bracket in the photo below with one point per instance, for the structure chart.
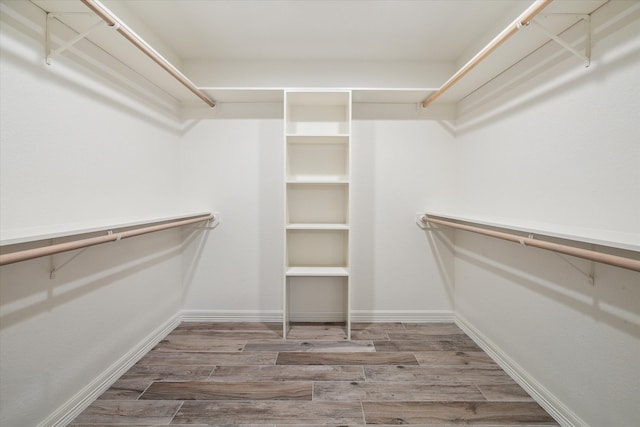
(50, 51)
(55, 269)
(591, 275)
(586, 56)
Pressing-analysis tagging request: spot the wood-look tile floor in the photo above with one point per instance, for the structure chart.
(245, 374)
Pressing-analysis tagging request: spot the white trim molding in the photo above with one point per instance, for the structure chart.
(232, 315)
(402, 316)
(78, 403)
(563, 415)
(364, 316)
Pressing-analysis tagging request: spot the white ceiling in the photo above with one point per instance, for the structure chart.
(360, 30)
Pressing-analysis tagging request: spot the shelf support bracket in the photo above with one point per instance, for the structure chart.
(51, 52)
(586, 57)
(591, 275)
(55, 269)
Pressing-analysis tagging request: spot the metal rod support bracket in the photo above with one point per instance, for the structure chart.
(55, 269)
(591, 275)
(586, 57)
(51, 52)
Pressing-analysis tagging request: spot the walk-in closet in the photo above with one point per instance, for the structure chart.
(319, 213)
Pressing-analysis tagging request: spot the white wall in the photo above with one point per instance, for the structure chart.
(237, 168)
(399, 168)
(74, 149)
(562, 150)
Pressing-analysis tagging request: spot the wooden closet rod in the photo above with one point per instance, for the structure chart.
(513, 28)
(617, 261)
(113, 21)
(92, 241)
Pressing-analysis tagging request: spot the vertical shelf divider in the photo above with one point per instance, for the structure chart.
(316, 284)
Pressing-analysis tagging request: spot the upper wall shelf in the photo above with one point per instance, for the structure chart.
(35, 234)
(74, 18)
(72, 24)
(82, 243)
(608, 238)
(555, 18)
(359, 95)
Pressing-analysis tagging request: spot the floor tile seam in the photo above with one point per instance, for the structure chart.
(150, 381)
(176, 412)
(170, 351)
(417, 383)
(279, 381)
(475, 383)
(231, 402)
(213, 368)
(509, 399)
(471, 366)
(167, 365)
(250, 381)
(285, 366)
(247, 400)
(463, 368)
(187, 365)
(432, 401)
(145, 390)
(345, 353)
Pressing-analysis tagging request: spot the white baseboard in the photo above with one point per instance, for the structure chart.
(232, 315)
(78, 403)
(403, 316)
(365, 316)
(544, 397)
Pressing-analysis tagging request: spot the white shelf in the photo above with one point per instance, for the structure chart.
(317, 180)
(295, 139)
(317, 203)
(317, 247)
(613, 239)
(318, 271)
(391, 95)
(317, 98)
(34, 234)
(245, 94)
(327, 135)
(266, 94)
(315, 160)
(317, 227)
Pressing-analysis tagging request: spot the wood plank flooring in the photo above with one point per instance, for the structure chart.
(246, 375)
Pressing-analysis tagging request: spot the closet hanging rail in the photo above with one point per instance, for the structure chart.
(113, 21)
(617, 261)
(523, 20)
(27, 254)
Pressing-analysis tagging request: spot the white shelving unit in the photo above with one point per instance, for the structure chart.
(317, 189)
